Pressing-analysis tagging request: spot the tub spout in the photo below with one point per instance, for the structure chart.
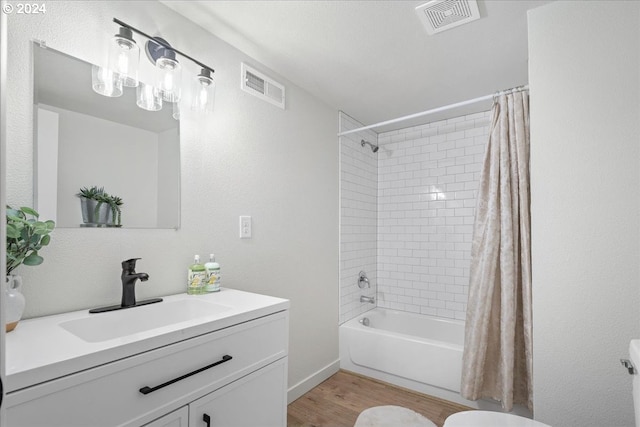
(370, 300)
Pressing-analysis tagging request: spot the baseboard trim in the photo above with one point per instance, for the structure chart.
(297, 390)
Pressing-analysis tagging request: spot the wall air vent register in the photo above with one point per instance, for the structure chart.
(257, 84)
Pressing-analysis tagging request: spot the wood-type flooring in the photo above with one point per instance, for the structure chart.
(338, 401)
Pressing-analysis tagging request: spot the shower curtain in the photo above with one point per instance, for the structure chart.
(497, 358)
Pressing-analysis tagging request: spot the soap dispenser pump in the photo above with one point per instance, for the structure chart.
(213, 274)
(196, 277)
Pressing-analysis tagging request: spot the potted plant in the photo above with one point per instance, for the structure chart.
(99, 208)
(116, 212)
(91, 205)
(26, 235)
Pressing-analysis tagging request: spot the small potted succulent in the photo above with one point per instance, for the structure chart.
(100, 209)
(26, 235)
(114, 203)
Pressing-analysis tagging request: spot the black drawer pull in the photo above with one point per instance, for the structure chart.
(147, 389)
(207, 419)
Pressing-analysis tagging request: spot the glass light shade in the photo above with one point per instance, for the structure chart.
(168, 77)
(105, 82)
(203, 92)
(176, 110)
(148, 98)
(124, 57)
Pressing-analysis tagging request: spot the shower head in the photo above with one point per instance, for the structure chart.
(374, 148)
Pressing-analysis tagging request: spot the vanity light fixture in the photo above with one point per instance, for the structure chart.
(105, 82)
(203, 92)
(176, 111)
(124, 57)
(168, 69)
(169, 74)
(147, 98)
(122, 70)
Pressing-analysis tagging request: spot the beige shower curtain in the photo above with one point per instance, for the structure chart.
(497, 358)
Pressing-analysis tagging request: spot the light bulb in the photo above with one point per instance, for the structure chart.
(169, 73)
(124, 57)
(176, 111)
(203, 92)
(105, 82)
(148, 98)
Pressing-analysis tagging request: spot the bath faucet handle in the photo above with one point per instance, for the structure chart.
(129, 265)
(363, 280)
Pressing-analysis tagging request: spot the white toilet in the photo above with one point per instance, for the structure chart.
(498, 419)
(489, 419)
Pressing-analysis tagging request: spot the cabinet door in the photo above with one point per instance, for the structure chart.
(258, 399)
(178, 418)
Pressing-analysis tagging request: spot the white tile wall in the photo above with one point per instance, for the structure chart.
(407, 215)
(358, 217)
(427, 181)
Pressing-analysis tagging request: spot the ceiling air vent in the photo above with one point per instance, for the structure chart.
(441, 15)
(265, 88)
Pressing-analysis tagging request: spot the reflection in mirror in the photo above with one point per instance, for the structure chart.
(83, 139)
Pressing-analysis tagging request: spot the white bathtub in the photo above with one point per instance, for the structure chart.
(415, 351)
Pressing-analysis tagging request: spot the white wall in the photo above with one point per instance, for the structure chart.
(3, 163)
(46, 180)
(168, 185)
(407, 215)
(358, 217)
(98, 161)
(249, 158)
(427, 181)
(585, 198)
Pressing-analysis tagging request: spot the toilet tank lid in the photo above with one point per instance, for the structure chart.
(634, 352)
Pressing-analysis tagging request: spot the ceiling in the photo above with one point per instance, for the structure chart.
(373, 59)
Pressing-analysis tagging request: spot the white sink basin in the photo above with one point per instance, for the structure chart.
(120, 323)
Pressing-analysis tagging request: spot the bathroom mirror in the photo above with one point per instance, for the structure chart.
(83, 139)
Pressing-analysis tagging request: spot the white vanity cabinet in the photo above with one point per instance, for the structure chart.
(255, 400)
(252, 401)
(177, 418)
(232, 376)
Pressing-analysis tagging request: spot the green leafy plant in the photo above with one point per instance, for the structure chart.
(91, 193)
(26, 235)
(116, 213)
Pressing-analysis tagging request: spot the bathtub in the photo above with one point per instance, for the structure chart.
(413, 351)
(419, 352)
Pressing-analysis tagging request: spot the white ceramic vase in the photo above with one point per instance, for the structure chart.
(14, 301)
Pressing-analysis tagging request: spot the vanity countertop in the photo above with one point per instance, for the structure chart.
(40, 349)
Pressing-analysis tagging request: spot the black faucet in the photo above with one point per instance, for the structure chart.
(129, 277)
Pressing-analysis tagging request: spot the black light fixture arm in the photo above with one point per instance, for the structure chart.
(162, 43)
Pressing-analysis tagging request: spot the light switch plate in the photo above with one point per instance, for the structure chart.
(245, 227)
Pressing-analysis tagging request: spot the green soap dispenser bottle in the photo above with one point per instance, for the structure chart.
(213, 274)
(196, 277)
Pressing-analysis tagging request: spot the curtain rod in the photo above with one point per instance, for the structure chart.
(435, 110)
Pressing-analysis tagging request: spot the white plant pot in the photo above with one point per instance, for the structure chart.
(14, 301)
(90, 217)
